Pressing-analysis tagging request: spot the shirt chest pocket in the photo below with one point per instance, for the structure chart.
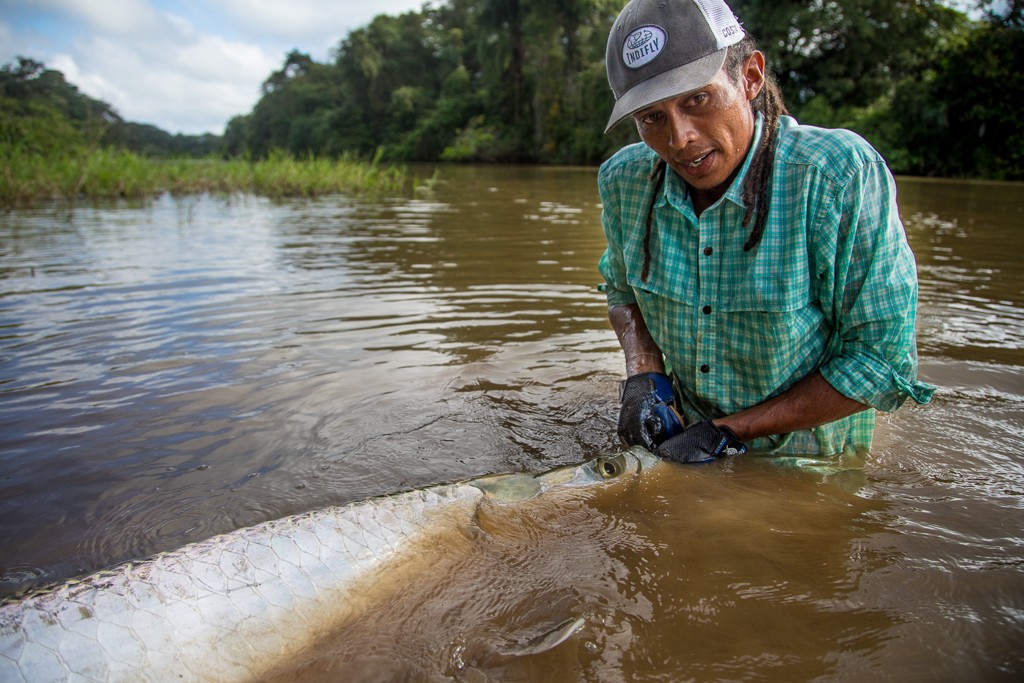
(768, 288)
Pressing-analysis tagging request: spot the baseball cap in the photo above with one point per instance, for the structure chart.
(659, 49)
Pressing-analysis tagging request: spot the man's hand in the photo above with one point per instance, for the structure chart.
(701, 442)
(647, 417)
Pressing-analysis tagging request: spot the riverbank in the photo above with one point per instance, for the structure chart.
(106, 173)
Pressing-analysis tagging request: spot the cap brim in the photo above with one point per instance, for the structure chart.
(667, 85)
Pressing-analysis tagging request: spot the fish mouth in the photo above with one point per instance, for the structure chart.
(522, 486)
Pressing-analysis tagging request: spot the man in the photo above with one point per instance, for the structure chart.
(758, 276)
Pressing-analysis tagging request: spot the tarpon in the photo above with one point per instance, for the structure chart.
(232, 607)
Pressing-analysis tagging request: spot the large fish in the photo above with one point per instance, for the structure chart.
(232, 607)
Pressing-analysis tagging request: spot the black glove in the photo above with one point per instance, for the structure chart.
(700, 443)
(647, 416)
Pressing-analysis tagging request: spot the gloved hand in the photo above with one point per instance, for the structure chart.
(701, 442)
(647, 416)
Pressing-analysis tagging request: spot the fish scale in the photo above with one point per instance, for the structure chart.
(232, 607)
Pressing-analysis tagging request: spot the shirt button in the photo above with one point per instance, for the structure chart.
(708, 251)
(705, 369)
(706, 310)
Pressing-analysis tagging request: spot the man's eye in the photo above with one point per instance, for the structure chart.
(651, 118)
(697, 99)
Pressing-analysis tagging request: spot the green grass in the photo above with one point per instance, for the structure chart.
(27, 176)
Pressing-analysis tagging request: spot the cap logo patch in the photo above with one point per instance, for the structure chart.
(642, 46)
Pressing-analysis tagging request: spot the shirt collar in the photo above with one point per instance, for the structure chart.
(677, 192)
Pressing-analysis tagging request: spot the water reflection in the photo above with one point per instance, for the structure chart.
(181, 369)
(965, 235)
(462, 276)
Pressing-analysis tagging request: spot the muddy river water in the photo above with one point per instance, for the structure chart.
(187, 366)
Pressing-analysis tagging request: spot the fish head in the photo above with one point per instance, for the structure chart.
(516, 487)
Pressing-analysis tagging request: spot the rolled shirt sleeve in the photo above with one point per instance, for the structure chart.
(869, 294)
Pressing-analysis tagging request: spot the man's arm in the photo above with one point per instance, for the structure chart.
(809, 403)
(872, 306)
(641, 351)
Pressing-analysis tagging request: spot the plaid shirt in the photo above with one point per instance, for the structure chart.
(831, 286)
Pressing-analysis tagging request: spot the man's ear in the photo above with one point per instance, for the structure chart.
(753, 74)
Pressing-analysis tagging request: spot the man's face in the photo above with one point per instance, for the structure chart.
(704, 134)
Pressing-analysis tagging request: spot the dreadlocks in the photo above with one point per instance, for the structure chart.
(658, 178)
(770, 105)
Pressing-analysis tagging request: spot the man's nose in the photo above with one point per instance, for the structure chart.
(681, 129)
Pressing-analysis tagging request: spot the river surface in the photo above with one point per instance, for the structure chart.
(187, 366)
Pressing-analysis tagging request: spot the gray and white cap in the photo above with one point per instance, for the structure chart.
(659, 49)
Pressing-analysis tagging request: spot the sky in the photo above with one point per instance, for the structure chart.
(186, 66)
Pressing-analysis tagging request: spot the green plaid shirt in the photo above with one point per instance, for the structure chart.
(832, 285)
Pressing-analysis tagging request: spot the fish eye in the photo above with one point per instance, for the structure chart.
(610, 467)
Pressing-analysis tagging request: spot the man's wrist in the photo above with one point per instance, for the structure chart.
(646, 361)
(735, 428)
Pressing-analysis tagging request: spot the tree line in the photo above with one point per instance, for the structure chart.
(42, 113)
(58, 144)
(935, 90)
(524, 81)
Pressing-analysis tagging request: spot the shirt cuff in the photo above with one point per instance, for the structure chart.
(617, 297)
(874, 382)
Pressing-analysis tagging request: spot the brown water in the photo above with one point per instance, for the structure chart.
(179, 369)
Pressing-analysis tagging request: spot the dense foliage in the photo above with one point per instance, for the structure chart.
(523, 81)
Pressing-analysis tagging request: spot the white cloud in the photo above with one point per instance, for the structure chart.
(91, 83)
(190, 87)
(214, 58)
(172, 75)
(184, 66)
(321, 23)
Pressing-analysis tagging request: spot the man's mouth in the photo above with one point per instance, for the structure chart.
(699, 160)
(697, 166)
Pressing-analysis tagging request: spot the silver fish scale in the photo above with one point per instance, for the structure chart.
(241, 600)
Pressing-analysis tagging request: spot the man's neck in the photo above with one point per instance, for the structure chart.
(702, 199)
